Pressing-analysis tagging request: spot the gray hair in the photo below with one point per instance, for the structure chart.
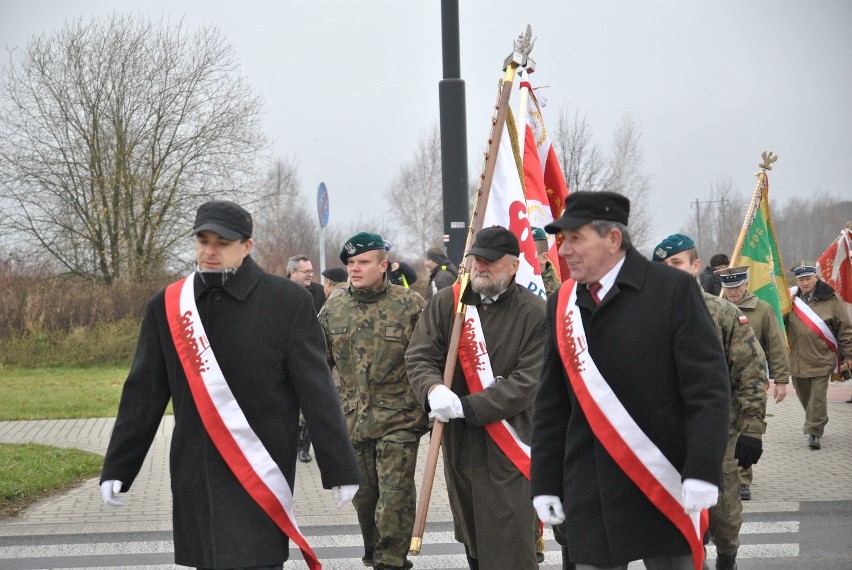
(293, 263)
(602, 227)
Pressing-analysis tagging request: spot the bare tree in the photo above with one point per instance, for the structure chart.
(583, 163)
(114, 131)
(626, 176)
(588, 169)
(283, 224)
(415, 194)
(718, 219)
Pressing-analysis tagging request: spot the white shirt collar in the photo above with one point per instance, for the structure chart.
(608, 280)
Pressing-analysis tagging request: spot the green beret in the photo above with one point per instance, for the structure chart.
(672, 245)
(359, 243)
(539, 234)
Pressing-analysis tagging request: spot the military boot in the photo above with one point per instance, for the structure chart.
(726, 562)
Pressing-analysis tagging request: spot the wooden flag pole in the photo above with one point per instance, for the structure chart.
(518, 58)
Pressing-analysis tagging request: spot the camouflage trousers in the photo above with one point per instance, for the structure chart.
(387, 499)
(726, 517)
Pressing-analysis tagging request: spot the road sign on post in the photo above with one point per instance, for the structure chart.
(322, 204)
(322, 211)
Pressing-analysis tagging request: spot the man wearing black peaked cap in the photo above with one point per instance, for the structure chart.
(633, 339)
(813, 359)
(494, 385)
(238, 351)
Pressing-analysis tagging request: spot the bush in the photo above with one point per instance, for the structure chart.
(108, 343)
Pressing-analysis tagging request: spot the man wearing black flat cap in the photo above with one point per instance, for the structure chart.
(238, 351)
(488, 408)
(631, 416)
(334, 281)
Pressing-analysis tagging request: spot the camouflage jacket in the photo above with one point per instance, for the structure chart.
(367, 332)
(765, 325)
(746, 366)
(551, 280)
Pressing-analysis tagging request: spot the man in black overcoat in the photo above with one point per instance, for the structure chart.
(263, 333)
(650, 337)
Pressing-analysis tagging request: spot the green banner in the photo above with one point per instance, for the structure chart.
(760, 252)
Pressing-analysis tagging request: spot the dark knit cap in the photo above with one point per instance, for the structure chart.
(437, 255)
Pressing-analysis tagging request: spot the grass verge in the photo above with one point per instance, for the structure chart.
(29, 472)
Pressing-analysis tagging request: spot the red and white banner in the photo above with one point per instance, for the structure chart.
(553, 189)
(476, 365)
(615, 429)
(507, 207)
(835, 265)
(225, 422)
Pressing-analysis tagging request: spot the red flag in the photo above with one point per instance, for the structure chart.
(554, 182)
(835, 265)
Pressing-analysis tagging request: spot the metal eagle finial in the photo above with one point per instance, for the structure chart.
(523, 46)
(768, 158)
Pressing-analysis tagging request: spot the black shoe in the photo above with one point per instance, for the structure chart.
(813, 442)
(745, 493)
(304, 456)
(726, 562)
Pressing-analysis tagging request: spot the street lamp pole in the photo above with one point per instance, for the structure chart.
(451, 97)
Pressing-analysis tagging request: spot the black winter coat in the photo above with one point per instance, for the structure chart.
(266, 337)
(653, 341)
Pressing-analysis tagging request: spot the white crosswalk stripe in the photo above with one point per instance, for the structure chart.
(336, 551)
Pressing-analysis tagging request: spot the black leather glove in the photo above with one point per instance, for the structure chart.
(748, 450)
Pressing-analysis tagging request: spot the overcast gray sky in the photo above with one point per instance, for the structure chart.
(349, 86)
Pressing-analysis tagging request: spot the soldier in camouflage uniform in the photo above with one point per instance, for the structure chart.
(747, 370)
(367, 331)
(765, 325)
(548, 272)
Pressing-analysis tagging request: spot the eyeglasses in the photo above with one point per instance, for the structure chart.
(305, 271)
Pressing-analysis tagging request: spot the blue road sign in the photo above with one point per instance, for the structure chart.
(322, 204)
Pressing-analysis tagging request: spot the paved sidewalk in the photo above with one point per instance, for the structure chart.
(788, 471)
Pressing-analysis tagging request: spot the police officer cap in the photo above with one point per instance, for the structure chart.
(336, 274)
(672, 245)
(733, 276)
(584, 207)
(804, 269)
(224, 218)
(359, 243)
(539, 234)
(493, 243)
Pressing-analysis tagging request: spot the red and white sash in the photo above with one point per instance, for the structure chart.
(815, 324)
(624, 440)
(223, 419)
(474, 361)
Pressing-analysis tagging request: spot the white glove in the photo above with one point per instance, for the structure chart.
(109, 491)
(549, 509)
(445, 404)
(342, 494)
(698, 495)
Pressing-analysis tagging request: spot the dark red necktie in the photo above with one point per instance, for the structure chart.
(594, 289)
